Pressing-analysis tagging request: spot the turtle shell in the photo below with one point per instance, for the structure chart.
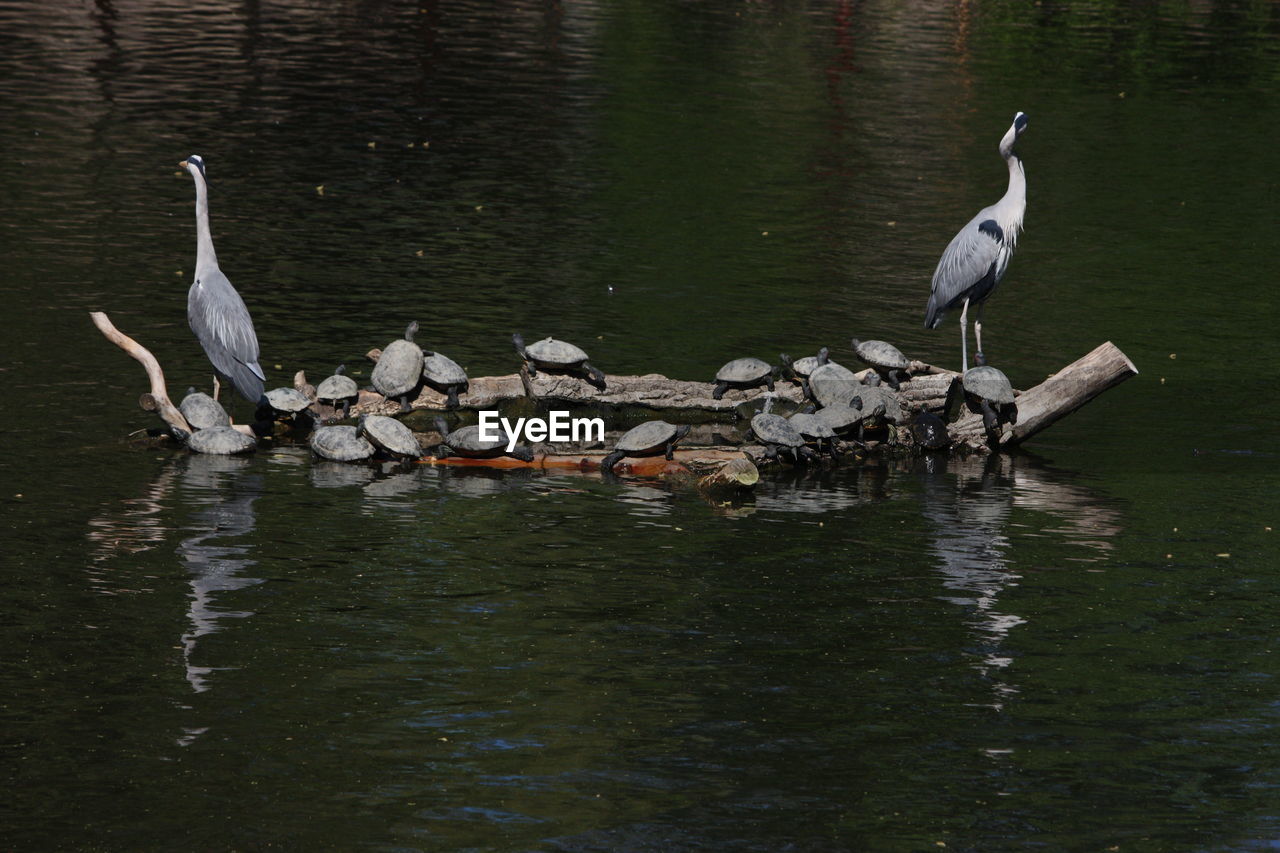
(466, 441)
(775, 429)
(988, 383)
(805, 366)
(880, 354)
(341, 444)
(811, 426)
(337, 387)
(202, 411)
(555, 353)
(287, 400)
(841, 417)
(833, 384)
(647, 437)
(398, 369)
(442, 370)
(390, 435)
(743, 370)
(878, 400)
(221, 441)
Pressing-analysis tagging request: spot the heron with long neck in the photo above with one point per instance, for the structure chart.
(216, 312)
(976, 259)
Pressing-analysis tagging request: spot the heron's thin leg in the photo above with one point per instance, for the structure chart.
(216, 388)
(977, 330)
(964, 336)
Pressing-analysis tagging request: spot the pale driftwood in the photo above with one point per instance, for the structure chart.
(734, 474)
(1055, 398)
(157, 399)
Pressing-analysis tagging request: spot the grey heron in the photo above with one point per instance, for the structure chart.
(976, 259)
(216, 312)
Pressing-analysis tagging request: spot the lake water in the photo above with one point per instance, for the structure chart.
(1071, 648)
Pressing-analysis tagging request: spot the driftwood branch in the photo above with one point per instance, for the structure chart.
(157, 399)
(1055, 398)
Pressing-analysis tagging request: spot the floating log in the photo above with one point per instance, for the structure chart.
(157, 399)
(720, 422)
(1056, 397)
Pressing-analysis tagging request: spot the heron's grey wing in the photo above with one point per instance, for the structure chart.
(222, 324)
(973, 255)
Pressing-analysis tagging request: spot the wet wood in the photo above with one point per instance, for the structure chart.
(157, 399)
(734, 474)
(1053, 399)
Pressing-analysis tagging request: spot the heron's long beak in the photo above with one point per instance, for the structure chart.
(182, 165)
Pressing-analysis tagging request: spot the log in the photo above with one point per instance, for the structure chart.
(1055, 398)
(732, 475)
(157, 399)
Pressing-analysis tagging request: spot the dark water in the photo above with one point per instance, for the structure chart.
(1069, 649)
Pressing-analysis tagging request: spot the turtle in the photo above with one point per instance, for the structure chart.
(338, 390)
(985, 391)
(844, 420)
(815, 431)
(340, 444)
(833, 384)
(202, 411)
(466, 441)
(445, 375)
(743, 373)
(398, 372)
(556, 355)
(880, 402)
(885, 359)
(648, 439)
(777, 434)
(798, 371)
(930, 431)
(390, 436)
(286, 401)
(221, 440)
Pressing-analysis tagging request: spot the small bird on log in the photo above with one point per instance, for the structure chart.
(216, 312)
(976, 259)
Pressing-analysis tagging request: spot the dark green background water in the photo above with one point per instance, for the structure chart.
(1072, 649)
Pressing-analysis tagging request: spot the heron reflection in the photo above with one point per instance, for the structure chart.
(214, 554)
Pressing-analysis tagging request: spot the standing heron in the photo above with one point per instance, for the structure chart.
(216, 312)
(976, 259)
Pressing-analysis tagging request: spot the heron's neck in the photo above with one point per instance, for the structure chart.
(205, 256)
(1014, 203)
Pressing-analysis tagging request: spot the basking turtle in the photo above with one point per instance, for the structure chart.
(286, 401)
(338, 390)
(743, 373)
(815, 431)
(202, 411)
(833, 384)
(778, 435)
(220, 441)
(880, 402)
(648, 439)
(886, 359)
(986, 391)
(466, 441)
(445, 375)
(341, 444)
(390, 436)
(844, 420)
(930, 431)
(399, 369)
(798, 371)
(556, 355)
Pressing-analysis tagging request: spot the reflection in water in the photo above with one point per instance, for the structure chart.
(212, 556)
(969, 503)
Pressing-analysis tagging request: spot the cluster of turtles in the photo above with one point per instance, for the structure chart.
(840, 405)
